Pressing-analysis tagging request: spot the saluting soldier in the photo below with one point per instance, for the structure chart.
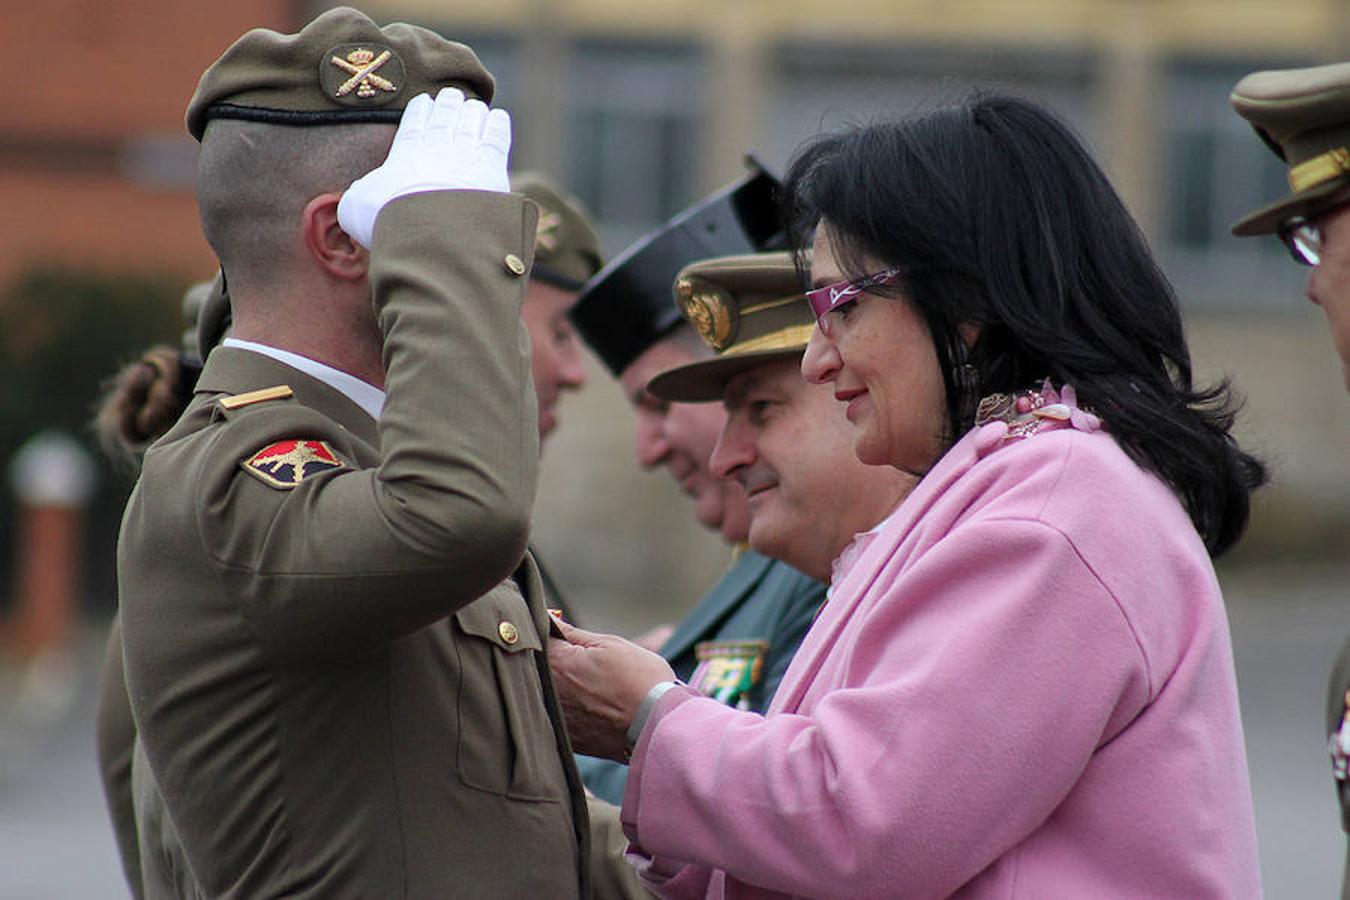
(737, 641)
(332, 636)
(1303, 115)
(149, 395)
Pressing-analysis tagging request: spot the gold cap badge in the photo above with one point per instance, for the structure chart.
(709, 309)
(361, 74)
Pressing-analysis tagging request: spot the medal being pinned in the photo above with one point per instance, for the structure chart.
(728, 670)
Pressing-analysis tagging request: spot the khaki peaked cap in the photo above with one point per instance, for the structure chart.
(750, 309)
(340, 68)
(566, 247)
(1303, 115)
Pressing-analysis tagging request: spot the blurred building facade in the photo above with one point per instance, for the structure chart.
(640, 108)
(96, 169)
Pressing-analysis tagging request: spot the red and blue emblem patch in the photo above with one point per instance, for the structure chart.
(285, 464)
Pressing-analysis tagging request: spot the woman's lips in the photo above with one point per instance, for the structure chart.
(854, 399)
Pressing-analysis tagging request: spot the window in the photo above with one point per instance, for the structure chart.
(822, 86)
(633, 133)
(1217, 170)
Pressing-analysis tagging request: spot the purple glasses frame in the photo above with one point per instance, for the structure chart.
(831, 296)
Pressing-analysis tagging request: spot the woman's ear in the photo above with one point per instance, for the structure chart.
(970, 333)
(332, 248)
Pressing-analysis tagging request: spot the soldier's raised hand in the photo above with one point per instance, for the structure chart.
(445, 144)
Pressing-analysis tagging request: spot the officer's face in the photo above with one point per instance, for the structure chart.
(555, 355)
(1329, 283)
(788, 443)
(681, 436)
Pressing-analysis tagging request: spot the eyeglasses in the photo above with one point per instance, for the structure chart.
(1304, 240)
(831, 296)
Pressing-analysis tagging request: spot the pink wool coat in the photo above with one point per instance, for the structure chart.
(1022, 688)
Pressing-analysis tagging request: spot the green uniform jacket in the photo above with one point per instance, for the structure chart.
(340, 688)
(1338, 706)
(758, 599)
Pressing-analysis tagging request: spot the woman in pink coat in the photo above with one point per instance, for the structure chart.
(1022, 685)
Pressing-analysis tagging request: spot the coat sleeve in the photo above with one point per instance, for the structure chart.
(983, 680)
(364, 555)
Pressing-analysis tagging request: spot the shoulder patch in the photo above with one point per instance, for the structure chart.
(280, 392)
(285, 464)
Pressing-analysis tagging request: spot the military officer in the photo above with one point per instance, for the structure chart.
(1303, 115)
(566, 255)
(149, 395)
(754, 618)
(786, 442)
(332, 637)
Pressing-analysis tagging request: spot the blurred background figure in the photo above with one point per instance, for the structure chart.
(103, 239)
(566, 254)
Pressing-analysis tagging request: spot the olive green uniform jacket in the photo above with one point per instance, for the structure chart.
(339, 687)
(757, 599)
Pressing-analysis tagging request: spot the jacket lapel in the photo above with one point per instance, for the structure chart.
(742, 578)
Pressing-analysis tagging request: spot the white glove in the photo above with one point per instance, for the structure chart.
(442, 145)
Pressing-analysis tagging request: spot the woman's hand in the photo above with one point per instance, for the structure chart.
(601, 681)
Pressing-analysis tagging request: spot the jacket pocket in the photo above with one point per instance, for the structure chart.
(507, 744)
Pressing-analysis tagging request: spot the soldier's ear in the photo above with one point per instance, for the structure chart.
(331, 248)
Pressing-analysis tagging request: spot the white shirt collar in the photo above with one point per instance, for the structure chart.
(363, 394)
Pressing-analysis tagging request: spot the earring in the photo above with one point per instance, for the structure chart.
(968, 390)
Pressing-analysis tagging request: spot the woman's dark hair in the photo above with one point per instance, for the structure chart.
(998, 217)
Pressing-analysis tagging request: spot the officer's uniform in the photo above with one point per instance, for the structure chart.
(1303, 116)
(333, 646)
(739, 639)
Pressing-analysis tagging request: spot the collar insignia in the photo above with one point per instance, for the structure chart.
(546, 235)
(285, 464)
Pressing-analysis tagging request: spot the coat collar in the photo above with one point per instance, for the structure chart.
(725, 596)
(230, 370)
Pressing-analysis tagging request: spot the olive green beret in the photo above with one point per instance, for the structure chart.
(340, 68)
(1303, 115)
(749, 309)
(566, 246)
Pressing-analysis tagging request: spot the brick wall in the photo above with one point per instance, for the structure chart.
(95, 166)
